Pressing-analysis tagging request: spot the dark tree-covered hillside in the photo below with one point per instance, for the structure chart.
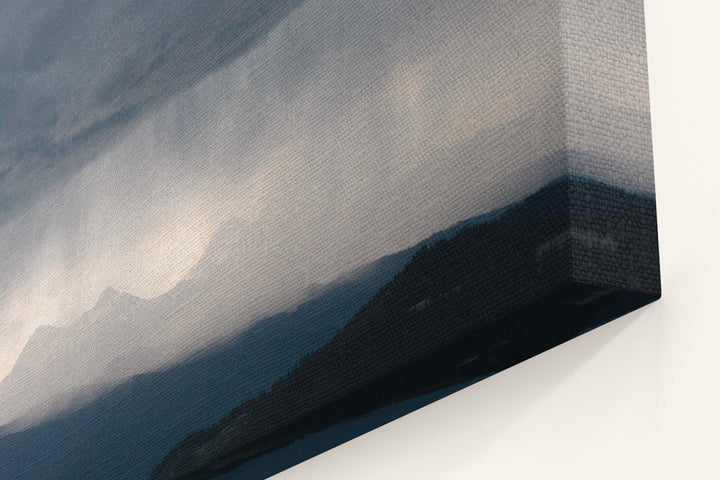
(493, 295)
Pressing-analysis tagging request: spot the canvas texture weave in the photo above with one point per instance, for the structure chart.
(234, 235)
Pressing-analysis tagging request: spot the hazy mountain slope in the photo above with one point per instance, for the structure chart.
(126, 431)
(123, 335)
(142, 418)
(56, 361)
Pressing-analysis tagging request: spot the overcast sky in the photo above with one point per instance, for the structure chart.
(129, 131)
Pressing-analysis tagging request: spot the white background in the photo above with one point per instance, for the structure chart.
(637, 398)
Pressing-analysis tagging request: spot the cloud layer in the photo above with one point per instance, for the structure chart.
(76, 72)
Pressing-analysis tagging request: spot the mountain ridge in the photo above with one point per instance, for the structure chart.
(489, 297)
(121, 306)
(205, 386)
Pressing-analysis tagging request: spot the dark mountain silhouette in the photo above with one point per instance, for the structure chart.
(422, 323)
(567, 259)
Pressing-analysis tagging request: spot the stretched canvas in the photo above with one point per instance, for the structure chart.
(235, 234)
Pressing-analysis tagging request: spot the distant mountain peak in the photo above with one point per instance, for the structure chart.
(229, 231)
(109, 300)
(226, 245)
(108, 296)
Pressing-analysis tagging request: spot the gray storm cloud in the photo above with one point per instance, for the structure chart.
(75, 73)
(345, 133)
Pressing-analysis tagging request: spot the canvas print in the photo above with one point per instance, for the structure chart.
(235, 234)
